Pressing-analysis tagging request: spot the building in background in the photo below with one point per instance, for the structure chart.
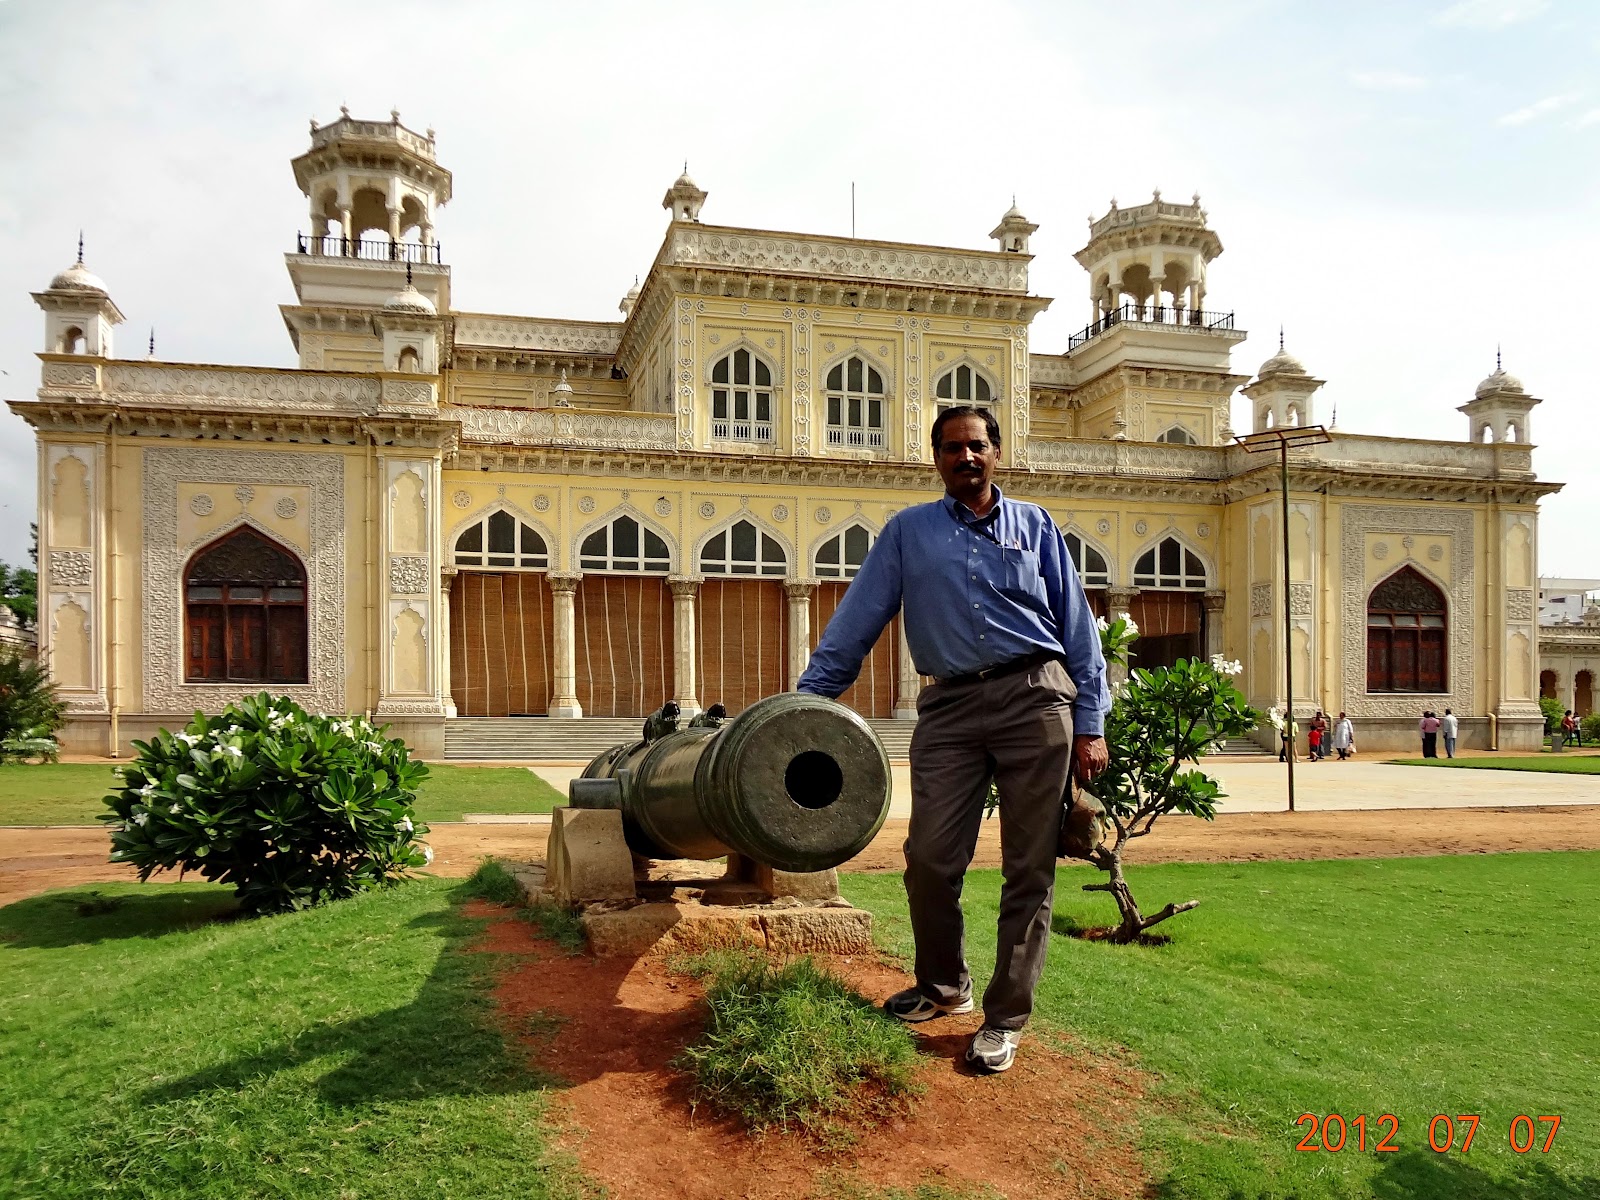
(442, 515)
(1569, 641)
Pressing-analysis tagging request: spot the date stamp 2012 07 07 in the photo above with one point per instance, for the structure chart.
(1334, 1133)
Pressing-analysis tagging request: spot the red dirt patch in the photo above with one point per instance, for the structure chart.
(1057, 1124)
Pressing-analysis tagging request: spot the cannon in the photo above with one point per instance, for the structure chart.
(795, 782)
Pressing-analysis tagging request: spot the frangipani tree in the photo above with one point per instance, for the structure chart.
(1163, 721)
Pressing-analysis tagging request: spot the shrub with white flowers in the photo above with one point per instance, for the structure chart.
(291, 809)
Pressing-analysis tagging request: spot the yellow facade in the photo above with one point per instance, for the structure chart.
(407, 426)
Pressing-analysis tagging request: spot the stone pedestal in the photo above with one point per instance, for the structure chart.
(587, 857)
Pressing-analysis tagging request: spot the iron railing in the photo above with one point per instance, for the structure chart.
(1151, 314)
(856, 439)
(371, 248)
(742, 431)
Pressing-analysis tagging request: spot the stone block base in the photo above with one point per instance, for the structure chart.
(587, 857)
(654, 930)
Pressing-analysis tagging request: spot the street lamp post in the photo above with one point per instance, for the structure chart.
(1265, 442)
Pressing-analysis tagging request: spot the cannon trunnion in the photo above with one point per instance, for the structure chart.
(795, 782)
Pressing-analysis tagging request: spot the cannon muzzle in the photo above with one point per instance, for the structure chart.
(796, 782)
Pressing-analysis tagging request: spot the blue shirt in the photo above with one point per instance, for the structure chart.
(977, 592)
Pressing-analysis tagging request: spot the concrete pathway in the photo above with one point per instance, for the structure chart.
(1260, 786)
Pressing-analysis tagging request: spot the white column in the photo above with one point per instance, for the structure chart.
(685, 590)
(447, 577)
(905, 704)
(1213, 606)
(799, 592)
(564, 703)
(1118, 604)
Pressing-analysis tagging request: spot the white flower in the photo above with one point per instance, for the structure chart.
(427, 856)
(405, 823)
(375, 747)
(188, 739)
(173, 809)
(1102, 624)
(141, 818)
(232, 751)
(147, 790)
(1133, 626)
(1226, 666)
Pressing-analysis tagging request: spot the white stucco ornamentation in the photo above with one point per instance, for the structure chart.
(71, 568)
(1299, 599)
(522, 427)
(286, 508)
(1260, 599)
(1357, 522)
(844, 257)
(462, 499)
(572, 337)
(207, 387)
(408, 575)
(163, 609)
(1519, 604)
(201, 504)
(68, 375)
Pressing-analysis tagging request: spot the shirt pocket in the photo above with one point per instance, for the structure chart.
(1021, 577)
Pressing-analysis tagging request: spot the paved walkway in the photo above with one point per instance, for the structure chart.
(1260, 786)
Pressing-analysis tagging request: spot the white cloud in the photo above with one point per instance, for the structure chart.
(1490, 14)
(1388, 81)
(1592, 117)
(1534, 111)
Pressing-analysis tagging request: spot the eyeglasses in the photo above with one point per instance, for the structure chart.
(954, 448)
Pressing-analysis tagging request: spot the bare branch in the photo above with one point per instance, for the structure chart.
(1170, 910)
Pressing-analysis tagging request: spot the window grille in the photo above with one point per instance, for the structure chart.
(841, 556)
(624, 545)
(1169, 565)
(741, 398)
(500, 540)
(963, 385)
(1090, 563)
(855, 405)
(742, 549)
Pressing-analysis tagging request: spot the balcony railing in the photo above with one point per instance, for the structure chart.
(1151, 314)
(856, 439)
(371, 249)
(742, 431)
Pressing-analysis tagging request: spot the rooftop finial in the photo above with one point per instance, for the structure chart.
(686, 166)
(1280, 339)
(1497, 365)
(80, 247)
(408, 274)
(152, 341)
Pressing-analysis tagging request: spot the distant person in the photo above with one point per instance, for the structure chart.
(1569, 728)
(1344, 737)
(1429, 725)
(1286, 738)
(1314, 741)
(1448, 725)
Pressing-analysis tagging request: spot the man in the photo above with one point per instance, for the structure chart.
(995, 613)
(1448, 726)
(1344, 737)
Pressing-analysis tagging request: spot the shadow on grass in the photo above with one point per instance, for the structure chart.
(1422, 1175)
(1063, 925)
(443, 1042)
(83, 916)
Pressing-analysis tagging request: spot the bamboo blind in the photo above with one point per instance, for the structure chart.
(743, 628)
(624, 645)
(501, 639)
(872, 694)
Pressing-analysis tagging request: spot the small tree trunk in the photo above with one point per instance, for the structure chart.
(1133, 921)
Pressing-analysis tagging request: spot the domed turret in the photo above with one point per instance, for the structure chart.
(684, 198)
(78, 278)
(79, 313)
(1282, 394)
(1499, 408)
(632, 298)
(409, 300)
(1281, 363)
(1014, 230)
(1500, 381)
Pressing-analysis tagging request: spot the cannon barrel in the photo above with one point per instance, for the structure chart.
(797, 782)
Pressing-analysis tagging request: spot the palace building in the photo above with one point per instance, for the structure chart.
(444, 515)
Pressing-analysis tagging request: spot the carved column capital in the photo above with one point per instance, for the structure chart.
(1119, 598)
(1213, 601)
(564, 584)
(799, 589)
(684, 587)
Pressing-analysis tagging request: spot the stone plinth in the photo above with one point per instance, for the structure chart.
(652, 930)
(587, 857)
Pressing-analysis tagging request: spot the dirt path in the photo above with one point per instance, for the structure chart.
(1068, 1118)
(35, 860)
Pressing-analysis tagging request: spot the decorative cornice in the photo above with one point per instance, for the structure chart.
(566, 427)
(537, 333)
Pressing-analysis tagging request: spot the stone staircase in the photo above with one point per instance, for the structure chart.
(1242, 748)
(554, 739)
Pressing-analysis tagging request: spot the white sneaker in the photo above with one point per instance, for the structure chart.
(993, 1050)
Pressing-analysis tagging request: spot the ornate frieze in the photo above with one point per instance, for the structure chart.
(407, 393)
(71, 569)
(520, 333)
(69, 375)
(1519, 604)
(1299, 599)
(533, 427)
(710, 246)
(1260, 599)
(1356, 522)
(162, 592)
(206, 387)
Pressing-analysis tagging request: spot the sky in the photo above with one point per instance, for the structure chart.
(1401, 186)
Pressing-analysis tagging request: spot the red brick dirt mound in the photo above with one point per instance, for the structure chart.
(1061, 1122)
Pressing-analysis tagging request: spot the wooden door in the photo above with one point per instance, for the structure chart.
(872, 694)
(743, 650)
(206, 658)
(624, 645)
(502, 637)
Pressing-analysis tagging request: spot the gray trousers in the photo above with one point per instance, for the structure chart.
(1018, 730)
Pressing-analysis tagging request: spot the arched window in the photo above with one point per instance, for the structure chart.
(1177, 435)
(962, 385)
(743, 549)
(855, 405)
(1091, 564)
(72, 340)
(410, 360)
(500, 540)
(1169, 564)
(624, 545)
(245, 601)
(741, 398)
(1406, 626)
(841, 556)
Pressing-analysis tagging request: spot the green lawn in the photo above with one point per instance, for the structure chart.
(150, 1050)
(1411, 986)
(1555, 764)
(69, 793)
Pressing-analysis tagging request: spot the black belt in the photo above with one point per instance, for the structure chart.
(1026, 663)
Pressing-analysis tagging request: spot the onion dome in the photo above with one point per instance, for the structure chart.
(1281, 363)
(78, 278)
(1500, 381)
(409, 300)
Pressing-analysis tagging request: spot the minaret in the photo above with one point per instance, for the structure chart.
(1014, 230)
(1499, 411)
(1151, 259)
(1282, 394)
(684, 198)
(78, 312)
(374, 189)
